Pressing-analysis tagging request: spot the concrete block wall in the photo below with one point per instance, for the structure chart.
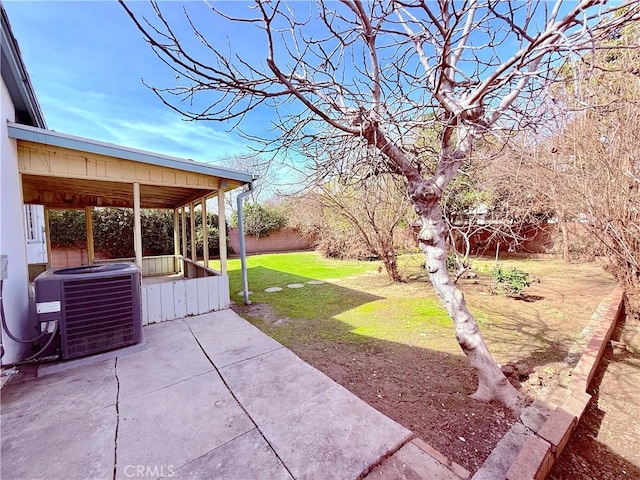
(285, 240)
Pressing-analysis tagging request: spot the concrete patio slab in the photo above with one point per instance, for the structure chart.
(165, 334)
(275, 383)
(410, 463)
(38, 402)
(168, 428)
(69, 446)
(335, 433)
(248, 456)
(298, 408)
(163, 366)
(228, 339)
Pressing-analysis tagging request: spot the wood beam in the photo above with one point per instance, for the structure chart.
(222, 229)
(192, 218)
(47, 236)
(88, 218)
(137, 223)
(184, 232)
(176, 235)
(205, 233)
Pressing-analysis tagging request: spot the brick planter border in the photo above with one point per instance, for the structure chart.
(542, 448)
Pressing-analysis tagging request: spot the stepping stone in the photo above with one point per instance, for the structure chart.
(242, 292)
(315, 282)
(272, 289)
(295, 285)
(333, 280)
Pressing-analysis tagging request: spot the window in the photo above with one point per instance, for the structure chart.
(33, 235)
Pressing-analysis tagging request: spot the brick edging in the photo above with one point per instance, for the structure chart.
(541, 450)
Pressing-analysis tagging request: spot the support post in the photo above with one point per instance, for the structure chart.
(176, 237)
(184, 231)
(205, 233)
(222, 232)
(137, 225)
(47, 237)
(88, 219)
(192, 217)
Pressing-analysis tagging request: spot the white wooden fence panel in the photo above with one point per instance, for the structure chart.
(212, 293)
(167, 301)
(154, 306)
(145, 310)
(180, 299)
(192, 296)
(203, 295)
(223, 292)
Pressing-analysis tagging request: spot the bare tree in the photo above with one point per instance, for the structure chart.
(593, 163)
(491, 204)
(373, 210)
(375, 74)
(263, 187)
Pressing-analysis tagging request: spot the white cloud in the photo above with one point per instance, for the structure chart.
(153, 130)
(180, 138)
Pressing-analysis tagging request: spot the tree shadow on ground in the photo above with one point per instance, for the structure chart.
(424, 382)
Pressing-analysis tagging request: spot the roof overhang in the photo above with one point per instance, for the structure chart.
(65, 171)
(16, 78)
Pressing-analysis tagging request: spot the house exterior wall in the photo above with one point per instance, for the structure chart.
(15, 296)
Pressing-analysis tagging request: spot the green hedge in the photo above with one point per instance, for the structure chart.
(113, 231)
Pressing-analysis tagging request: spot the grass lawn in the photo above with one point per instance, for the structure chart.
(358, 303)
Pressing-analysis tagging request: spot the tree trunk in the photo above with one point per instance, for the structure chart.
(391, 266)
(492, 384)
(566, 255)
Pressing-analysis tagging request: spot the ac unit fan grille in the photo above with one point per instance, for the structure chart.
(99, 315)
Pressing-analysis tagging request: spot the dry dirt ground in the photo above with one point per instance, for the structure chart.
(606, 443)
(426, 386)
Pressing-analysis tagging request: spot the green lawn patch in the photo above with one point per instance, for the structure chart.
(359, 306)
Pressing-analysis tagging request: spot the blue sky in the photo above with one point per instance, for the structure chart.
(86, 61)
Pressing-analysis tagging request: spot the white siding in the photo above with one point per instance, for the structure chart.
(12, 239)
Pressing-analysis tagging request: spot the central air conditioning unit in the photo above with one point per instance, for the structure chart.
(98, 307)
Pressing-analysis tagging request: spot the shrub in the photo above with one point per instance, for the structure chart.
(113, 231)
(157, 232)
(212, 229)
(67, 228)
(260, 220)
(509, 282)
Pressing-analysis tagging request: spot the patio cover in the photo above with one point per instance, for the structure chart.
(64, 171)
